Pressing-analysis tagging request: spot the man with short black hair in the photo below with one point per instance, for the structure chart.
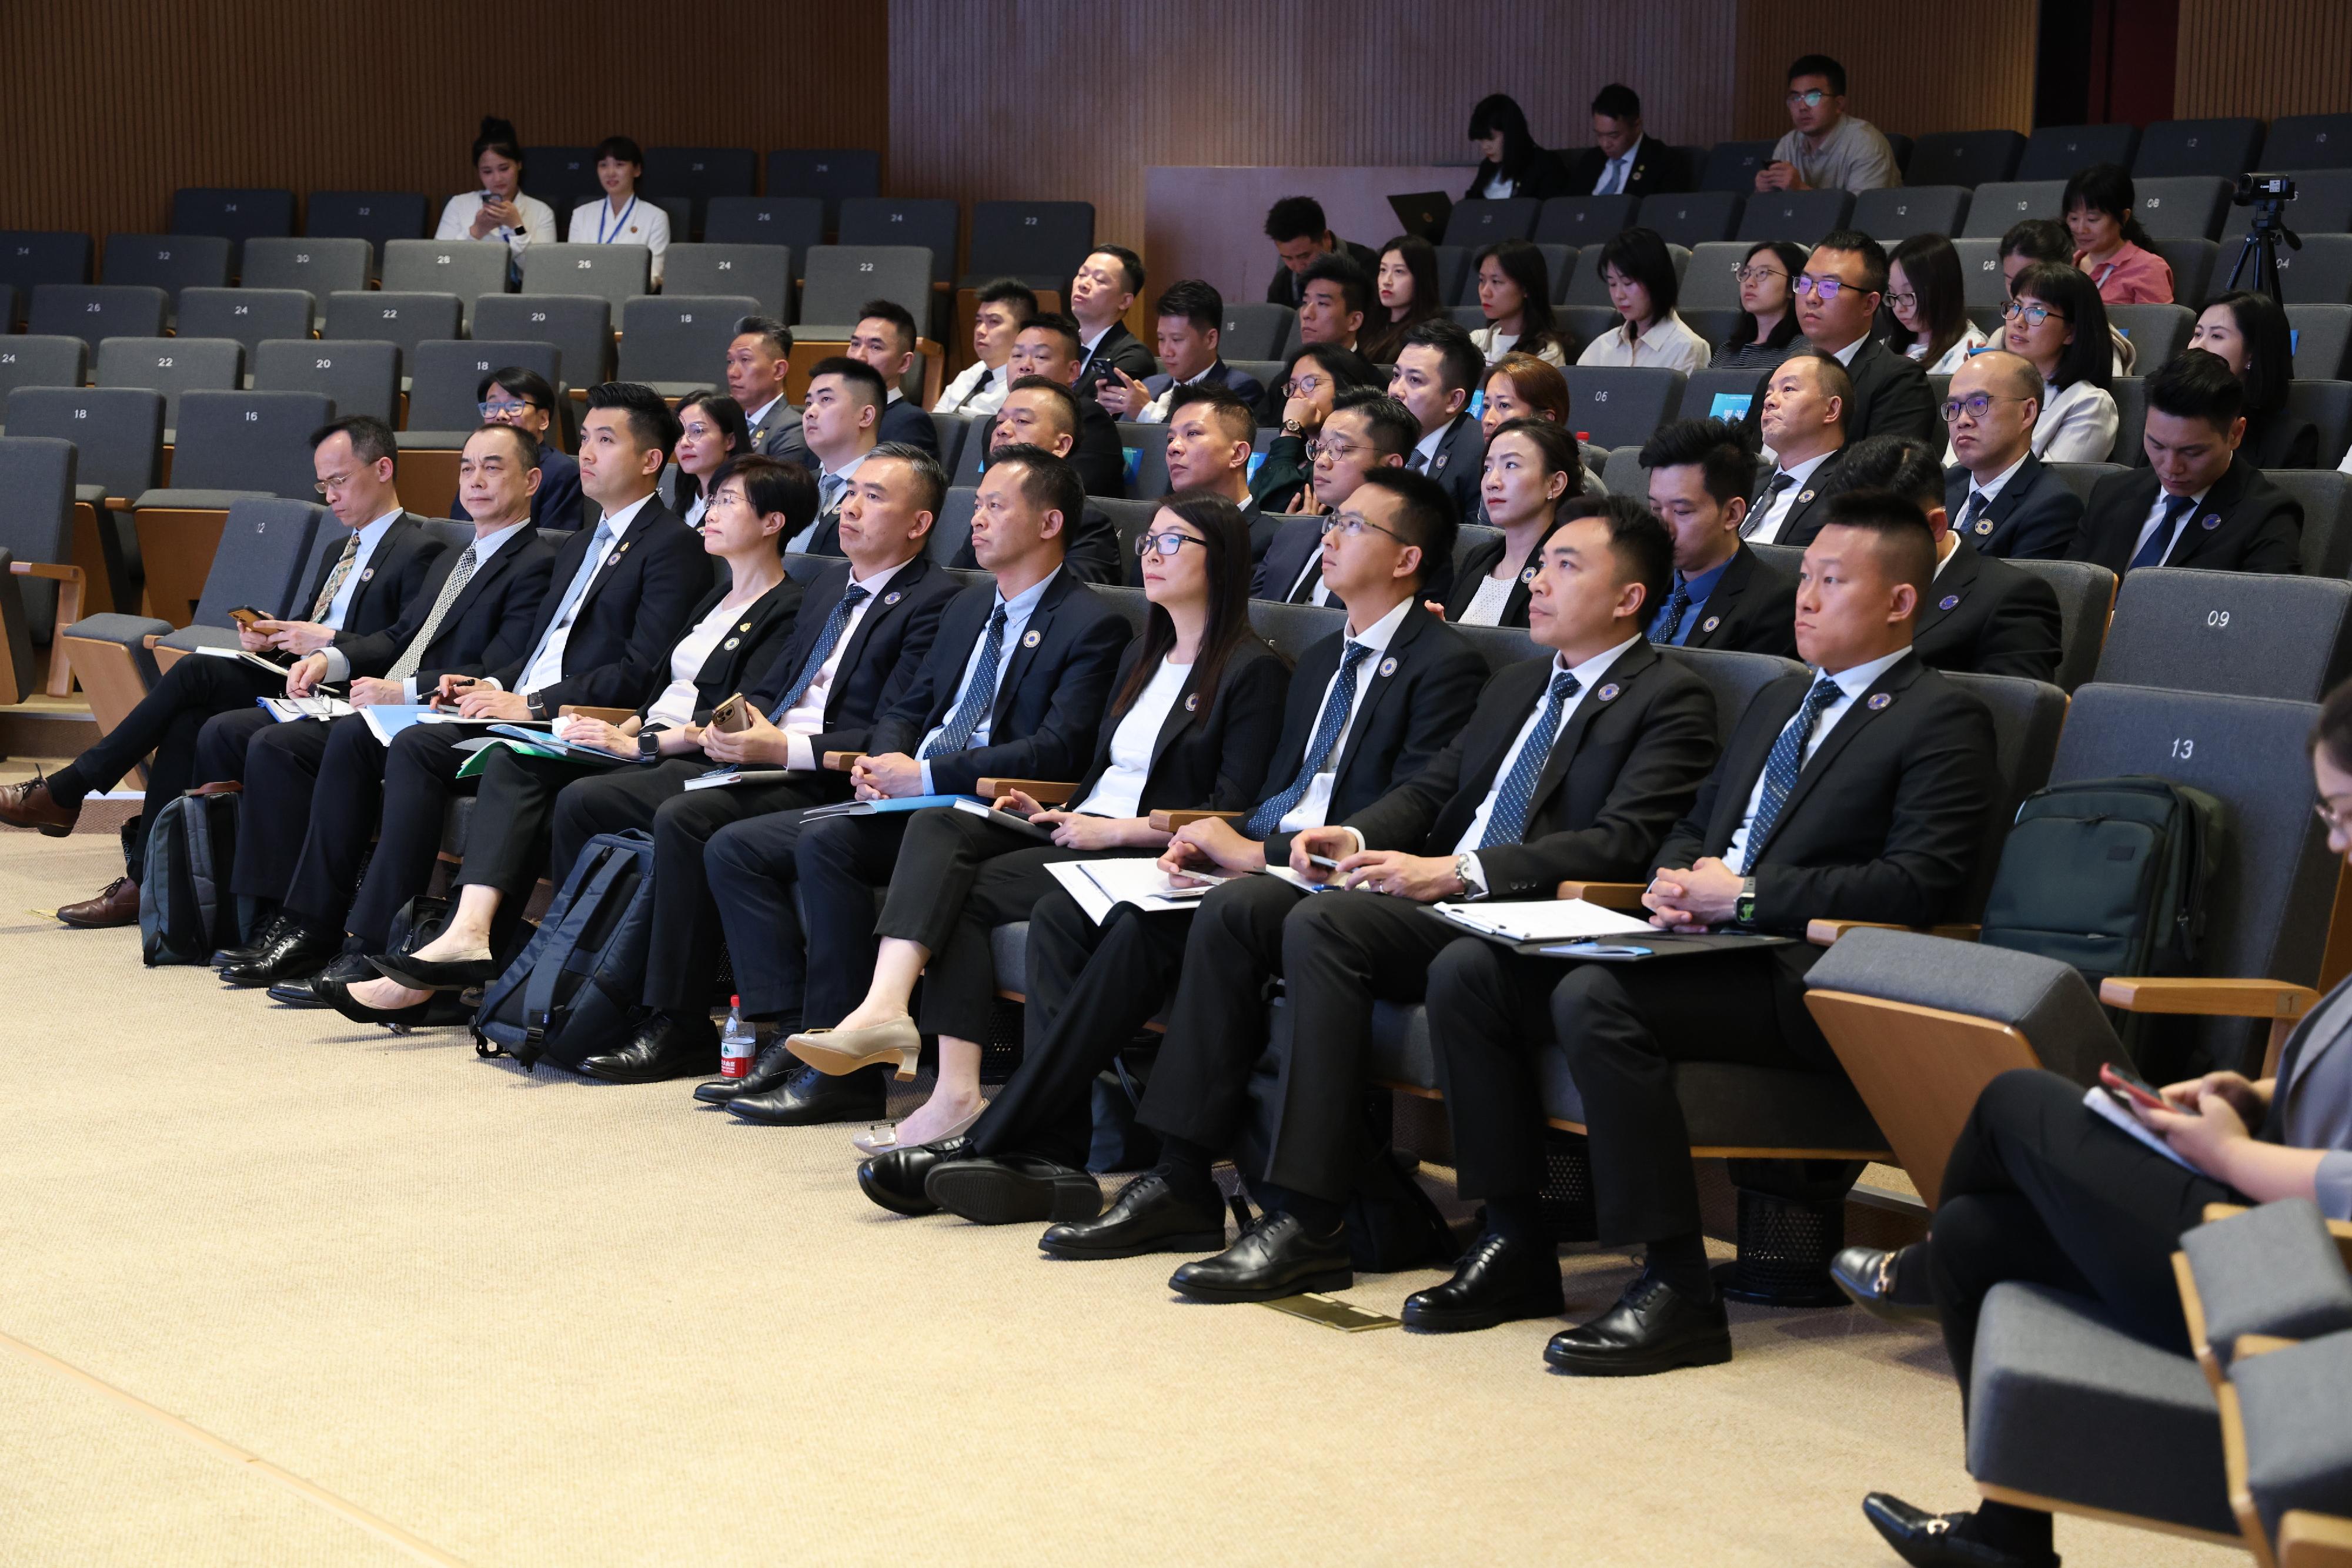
(884, 338)
(1211, 433)
(1105, 285)
(1437, 368)
(759, 361)
(1047, 344)
(1837, 300)
(1623, 160)
(2197, 503)
(512, 395)
(1367, 428)
(1003, 308)
(1334, 293)
(1826, 149)
(838, 422)
(2003, 499)
(1722, 594)
(1042, 413)
(1297, 226)
(1191, 317)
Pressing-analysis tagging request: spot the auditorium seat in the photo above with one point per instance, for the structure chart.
(2322, 204)
(30, 257)
(386, 317)
(2328, 406)
(2156, 332)
(795, 223)
(91, 311)
(1705, 389)
(236, 216)
(1481, 221)
(837, 280)
(379, 217)
(249, 316)
(832, 174)
(12, 307)
(360, 377)
(1894, 214)
(1733, 167)
(117, 436)
(765, 272)
(2320, 335)
(1618, 406)
(1999, 203)
(2188, 206)
(1583, 220)
(1708, 282)
(465, 269)
(1692, 218)
(2130, 393)
(1981, 283)
(951, 430)
(2233, 633)
(563, 177)
(446, 381)
(1040, 243)
(1799, 216)
(953, 530)
(2326, 497)
(1146, 446)
(318, 266)
(2308, 141)
(1969, 158)
(228, 444)
(933, 223)
(2083, 477)
(1253, 329)
(2318, 274)
(41, 588)
(699, 174)
(2192, 261)
(1585, 285)
(1621, 473)
(171, 366)
(1267, 373)
(615, 274)
(1130, 519)
(579, 325)
(1452, 266)
(28, 361)
(973, 459)
(2172, 148)
(168, 262)
(2059, 152)
(678, 342)
(1293, 629)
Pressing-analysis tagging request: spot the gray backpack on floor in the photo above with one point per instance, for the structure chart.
(186, 913)
(574, 991)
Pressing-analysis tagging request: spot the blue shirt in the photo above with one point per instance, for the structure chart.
(1698, 587)
(339, 607)
(1017, 610)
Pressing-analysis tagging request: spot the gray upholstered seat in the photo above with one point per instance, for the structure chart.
(2273, 1269)
(1620, 406)
(933, 223)
(578, 327)
(445, 384)
(675, 341)
(789, 222)
(363, 378)
(467, 268)
(264, 547)
(614, 272)
(2298, 1444)
(2046, 1001)
(247, 317)
(2238, 633)
(1040, 243)
(391, 316)
(761, 271)
(838, 279)
(317, 267)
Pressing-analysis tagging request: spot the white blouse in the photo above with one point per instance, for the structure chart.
(639, 222)
(958, 396)
(1486, 606)
(676, 704)
(537, 222)
(1120, 791)
(1493, 342)
(1669, 344)
(1971, 340)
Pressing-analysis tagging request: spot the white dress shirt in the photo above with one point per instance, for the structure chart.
(547, 667)
(1589, 674)
(1156, 411)
(1495, 344)
(1316, 803)
(849, 471)
(339, 666)
(371, 537)
(639, 222)
(1120, 791)
(806, 716)
(975, 390)
(1989, 489)
(1669, 343)
(537, 222)
(1777, 512)
(1850, 684)
(2155, 520)
(1017, 610)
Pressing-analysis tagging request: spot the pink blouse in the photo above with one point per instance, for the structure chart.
(2135, 276)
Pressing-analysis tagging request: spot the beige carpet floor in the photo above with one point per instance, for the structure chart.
(535, 1321)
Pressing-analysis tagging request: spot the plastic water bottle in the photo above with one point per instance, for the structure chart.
(739, 1042)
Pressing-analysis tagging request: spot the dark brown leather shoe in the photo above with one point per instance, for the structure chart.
(29, 805)
(117, 906)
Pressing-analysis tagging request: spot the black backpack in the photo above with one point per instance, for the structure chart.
(574, 990)
(186, 913)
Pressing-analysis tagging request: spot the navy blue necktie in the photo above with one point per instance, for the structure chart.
(1670, 618)
(827, 640)
(1786, 761)
(2159, 539)
(978, 697)
(1508, 821)
(1268, 816)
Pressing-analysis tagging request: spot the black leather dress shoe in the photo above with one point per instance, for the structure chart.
(1931, 1540)
(1652, 1328)
(272, 930)
(1275, 1256)
(293, 951)
(1497, 1282)
(348, 968)
(894, 1179)
(1014, 1189)
(1147, 1216)
(1890, 1285)
(662, 1048)
(807, 1098)
(769, 1070)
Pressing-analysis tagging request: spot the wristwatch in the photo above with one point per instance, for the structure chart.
(535, 705)
(650, 744)
(1292, 427)
(1743, 908)
(1465, 873)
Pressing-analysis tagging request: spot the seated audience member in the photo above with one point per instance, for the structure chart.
(2249, 333)
(1004, 307)
(1311, 385)
(1826, 149)
(1549, 779)
(2197, 503)
(1639, 273)
(1622, 160)
(513, 395)
(1042, 413)
(1520, 386)
(738, 629)
(1211, 432)
(2109, 242)
(1858, 791)
(1191, 322)
(1105, 285)
(1436, 370)
(1300, 235)
(1369, 708)
(711, 435)
(1047, 344)
(759, 361)
(839, 425)
(1192, 721)
(1838, 297)
(498, 211)
(1014, 686)
(1515, 292)
(1533, 481)
(1510, 163)
(1722, 594)
(2032, 1192)
(618, 600)
(1406, 290)
(885, 337)
(360, 588)
(1803, 416)
(1334, 297)
(1367, 429)
(2056, 322)
(1980, 614)
(2029, 240)
(2004, 501)
(619, 217)
(1766, 332)
(1924, 296)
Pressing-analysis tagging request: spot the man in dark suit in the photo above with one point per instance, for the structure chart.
(1043, 413)
(1365, 430)
(759, 359)
(1013, 687)
(885, 337)
(838, 422)
(1838, 297)
(618, 598)
(1335, 299)
(1191, 314)
(1047, 344)
(2197, 503)
(361, 585)
(517, 396)
(1209, 433)
(1805, 414)
(1297, 226)
(1105, 285)
(2003, 500)
(1722, 594)
(1623, 161)
(1437, 368)
(1857, 791)
(1369, 707)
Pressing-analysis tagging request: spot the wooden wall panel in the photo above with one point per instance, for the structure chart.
(113, 106)
(1904, 71)
(2281, 56)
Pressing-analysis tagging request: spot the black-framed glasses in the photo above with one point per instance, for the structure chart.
(501, 410)
(1353, 526)
(2337, 817)
(2031, 312)
(1167, 544)
(1976, 405)
(1902, 301)
(1827, 288)
(1302, 386)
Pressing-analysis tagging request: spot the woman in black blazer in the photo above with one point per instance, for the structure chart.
(1534, 482)
(755, 504)
(2249, 333)
(1512, 164)
(1191, 724)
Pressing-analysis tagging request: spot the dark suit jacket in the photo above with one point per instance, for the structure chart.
(1625, 768)
(1098, 456)
(2244, 524)
(1283, 288)
(906, 421)
(486, 625)
(2279, 439)
(1246, 387)
(1752, 609)
(1810, 510)
(1410, 703)
(1475, 566)
(1456, 466)
(1891, 397)
(778, 436)
(761, 628)
(1092, 554)
(1213, 761)
(1658, 169)
(2034, 516)
(1119, 347)
(1293, 541)
(1055, 683)
(1984, 615)
(633, 613)
(388, 583)
(885, 650)
(556, 502)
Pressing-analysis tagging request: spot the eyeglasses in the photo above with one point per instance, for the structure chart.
(1903, 302)
(1976, 405)
(1810, 98)
(2033, 314)
(1166, 544)
(1302, 386)
(333, 481)
(1349, 524)
(1340, 450)
(1755, 273)
(503, 411)
(1827, 288)
(2337, 817)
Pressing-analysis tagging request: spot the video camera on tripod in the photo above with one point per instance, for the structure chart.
(2268, 194)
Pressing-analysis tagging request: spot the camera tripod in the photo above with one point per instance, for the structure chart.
(2260, 248)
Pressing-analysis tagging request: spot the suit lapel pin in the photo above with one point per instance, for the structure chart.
(891, 597)
(2213, 520)
(732, 644)
(742, 626)
(1803, 496)
(1947, 601)
(1192, 702)
(1711, 622)
(1031, 639)
(1984, 524)
(1879, 702)
(1608, 694)
(1439, 466)
(368, 575)
(1526, 574)
(1387, 666)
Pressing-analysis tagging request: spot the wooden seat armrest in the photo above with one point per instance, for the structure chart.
(841, 761)
(1823, 933)
(150, 641)
(2208, 998)
(1608, 895)
(1168, 821)
(50, 569)
(607, 715)
(2308, 1539)
(120, 504)
(1045, 792)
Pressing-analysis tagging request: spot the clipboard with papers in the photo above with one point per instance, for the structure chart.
(1573, 928)
(1100, 886)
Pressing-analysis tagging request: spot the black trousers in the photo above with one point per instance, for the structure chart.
(284, 767)
(2037, 1189)
(514, 808)
(168, 721)
(1200, 1081)
(222, 744)
(752, 868)
(682, 956)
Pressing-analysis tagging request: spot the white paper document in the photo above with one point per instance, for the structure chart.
(1545, 920)
(1101, 886)
(2102, 1106)
(285, 710)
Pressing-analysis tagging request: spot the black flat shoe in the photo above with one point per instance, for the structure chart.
(896, 1181)
(1929, 1540)
(1147, 1216)
(1495, 1282)
(662, 1048)
(807, 1098)
(1652, 1328)
(426, 975)
(1890, 1285)
(293, 952)
(1275, 1256)
(337, 993)
(769, 1070)
(301, 991)
(1014, 1189)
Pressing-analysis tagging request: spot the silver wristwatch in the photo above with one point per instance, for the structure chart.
(1465, 871)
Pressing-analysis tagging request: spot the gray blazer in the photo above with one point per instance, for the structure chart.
(2311, 1108)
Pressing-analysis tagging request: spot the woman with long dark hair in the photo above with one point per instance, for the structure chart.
(1640, 272)
(1924, 296)
(2249, 333)
(1534, 481)
(1407, 284)
(499, 210)
(2057, 320)
(1511, 163)
(1766, 332)
(712, 433)
(1193, 721)
(2109, 244)
(1515, 291)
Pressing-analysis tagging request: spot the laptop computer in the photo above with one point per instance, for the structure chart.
(1424, 212)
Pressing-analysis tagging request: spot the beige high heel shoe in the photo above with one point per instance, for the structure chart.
(836, 1051)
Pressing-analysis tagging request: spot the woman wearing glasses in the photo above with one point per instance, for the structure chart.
(621, 216)
(2056, 320)
(1640, 272)
(1766, 332)
(1407, 281)
(1534, 481)
(1924, 295)
(512, 395)
(2109, 244)
(711, 431)
(1299, 401)
(1193, 721)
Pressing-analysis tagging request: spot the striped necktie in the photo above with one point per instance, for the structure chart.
(1512, 797)
(827, 640)
(1327, 729)
(977, 697)
(412, 658)
(334, 583)
(1786, 761)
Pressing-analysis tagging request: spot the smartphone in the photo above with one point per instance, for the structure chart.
(731, 716)
(246, 615)
(1325, 862)
(2130, 1087)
